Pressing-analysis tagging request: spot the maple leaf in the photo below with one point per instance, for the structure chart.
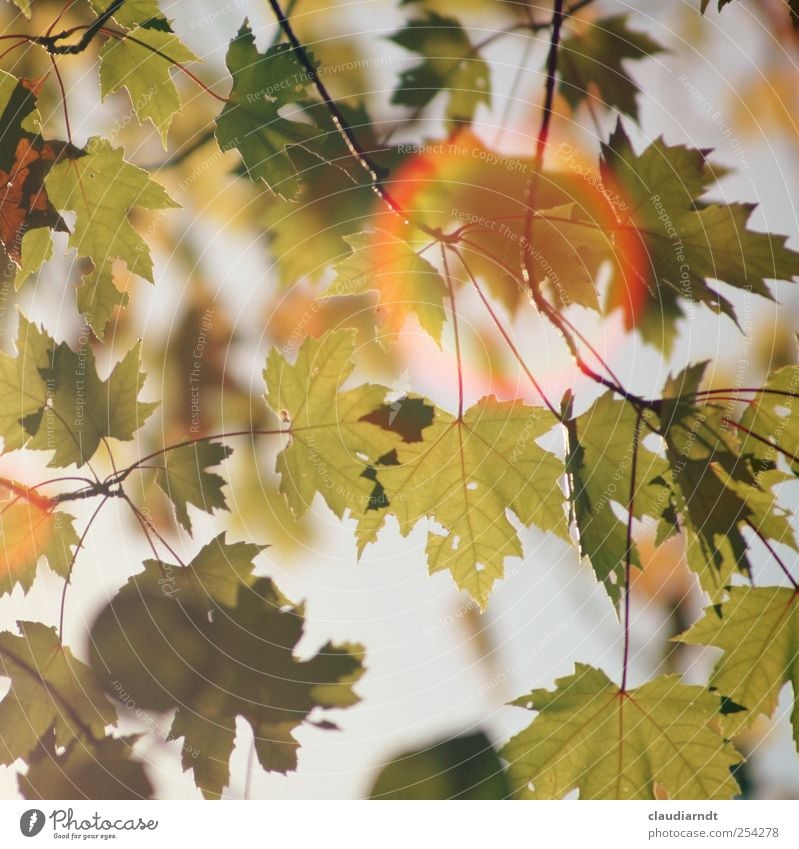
(25, 160)
(466, 474)
(104, 770)
(251, 122)
(54, 400)
(102, 189)
(331, 442)
(599, 462)
(148, 644)
(772, 420)
(31, 528)
(23, 390)
(462, 767)
(141, 62)
(406, 282)
(83, 410)
(758, 630)
(131, 12)
(589, 736)
(450, 63)
(715, 490)
(185, 479)
(50, 691)
(238, 660)
(593, 59)
(673, 243)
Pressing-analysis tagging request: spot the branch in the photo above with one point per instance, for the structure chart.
(50, 42)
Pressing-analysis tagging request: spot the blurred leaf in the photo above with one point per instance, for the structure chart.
(406, 282)
(131, 12)
(450, 63)
(465, 767)
(239, 662)
(105, 770)
(593, 59)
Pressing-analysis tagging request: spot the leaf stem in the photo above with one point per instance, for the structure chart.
(456, 331)
(629, 549)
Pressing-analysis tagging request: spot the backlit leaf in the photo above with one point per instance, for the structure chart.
(186, 480)
(50, 690)
(102, 189)
(591, 737)
(250, 121)
(758, 629)
(145, 72)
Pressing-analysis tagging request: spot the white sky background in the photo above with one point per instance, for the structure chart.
(425, 677)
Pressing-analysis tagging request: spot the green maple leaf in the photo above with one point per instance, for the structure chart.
(145, 73)
(450, 63)
(715, 490)
(131, 12)
(331, 441)
(406, 282)
(758, 630)
(54, 400)
(238, 661)
(599, 463)
(185, 479)
(595, 58)
(50, 691)
(250, 121)
(31, 528)
(466, 474)
(83, 409)
(23, 390)
(589, 736)
(674, 244)
(773, 418)
(102, 189)
(104, 770)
